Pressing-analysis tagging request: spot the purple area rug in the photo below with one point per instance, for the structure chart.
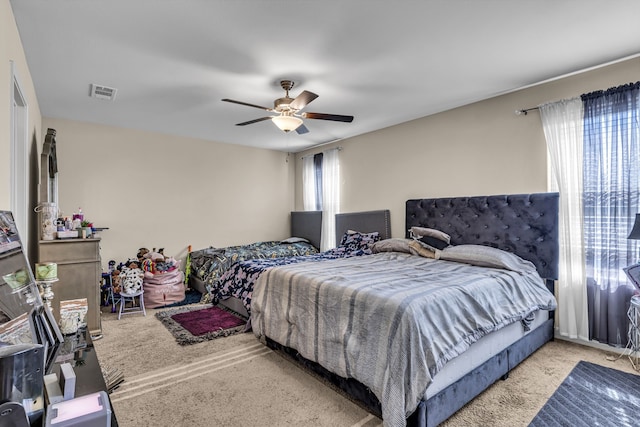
(191, 325)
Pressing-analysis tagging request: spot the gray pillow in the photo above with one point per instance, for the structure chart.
(486, 256)
(391, 245)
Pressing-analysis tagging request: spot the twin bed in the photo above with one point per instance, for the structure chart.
(415, 338)
(209, 265)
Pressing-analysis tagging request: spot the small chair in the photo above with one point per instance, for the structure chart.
(124, 297)
(111, 297)
(114, 297)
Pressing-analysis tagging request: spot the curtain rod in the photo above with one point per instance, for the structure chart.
(525, 111)
(311, 155)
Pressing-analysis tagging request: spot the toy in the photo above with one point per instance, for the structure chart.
(131, 280)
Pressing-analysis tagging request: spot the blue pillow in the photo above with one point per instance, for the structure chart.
(354, 241)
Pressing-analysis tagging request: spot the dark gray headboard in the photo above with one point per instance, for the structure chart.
(525, 224)
(364, 222)
(308, 225)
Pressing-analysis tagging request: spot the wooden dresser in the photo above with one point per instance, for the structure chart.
(79, 274)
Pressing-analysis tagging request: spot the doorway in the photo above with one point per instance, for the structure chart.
(19, 156)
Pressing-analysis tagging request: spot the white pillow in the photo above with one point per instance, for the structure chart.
(294, 240)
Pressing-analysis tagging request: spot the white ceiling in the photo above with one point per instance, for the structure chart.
(384, 62)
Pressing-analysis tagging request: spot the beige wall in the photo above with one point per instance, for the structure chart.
(155, 190)
(478, 149)
(11, 51)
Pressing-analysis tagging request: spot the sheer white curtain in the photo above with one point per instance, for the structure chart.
(308, 184)
(330, 198)
(563, 129)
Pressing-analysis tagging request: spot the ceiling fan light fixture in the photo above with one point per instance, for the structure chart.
(287, 123)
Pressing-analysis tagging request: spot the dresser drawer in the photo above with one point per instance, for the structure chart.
(72, 250)
(79, 274)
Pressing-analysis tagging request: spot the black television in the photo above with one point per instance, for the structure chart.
(24, 319)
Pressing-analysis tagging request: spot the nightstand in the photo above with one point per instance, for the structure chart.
(633, 346)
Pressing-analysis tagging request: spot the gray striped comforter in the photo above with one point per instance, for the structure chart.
(390, 320)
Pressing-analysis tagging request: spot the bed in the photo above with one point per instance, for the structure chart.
(380, 357)
(209, 265)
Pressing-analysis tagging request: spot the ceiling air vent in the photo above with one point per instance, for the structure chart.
(103, 92)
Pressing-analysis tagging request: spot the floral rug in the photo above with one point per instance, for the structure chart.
(195, 324)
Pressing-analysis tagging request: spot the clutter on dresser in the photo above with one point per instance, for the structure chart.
(73, 315)
(46, 271)
(54, 225)
(46, 275)
(48, 212)
(89, 410)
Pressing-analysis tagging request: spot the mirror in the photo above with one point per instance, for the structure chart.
(49, 169)
(23, 317)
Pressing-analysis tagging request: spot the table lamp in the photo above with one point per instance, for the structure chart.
(633, 271)
(635, 231)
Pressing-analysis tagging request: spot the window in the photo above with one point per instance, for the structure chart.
(594, 150)
(321, 191)
(611, 176)
(312, 182)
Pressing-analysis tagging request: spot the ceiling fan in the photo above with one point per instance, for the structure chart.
(289, 116)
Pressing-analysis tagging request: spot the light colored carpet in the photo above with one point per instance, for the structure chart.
(236, 381)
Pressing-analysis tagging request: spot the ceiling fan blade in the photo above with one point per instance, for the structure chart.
(302, 129)
(247, 104)
(332, 117)
(261, 119)
(303, 99)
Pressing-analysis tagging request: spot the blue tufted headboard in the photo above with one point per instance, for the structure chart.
(525, 224)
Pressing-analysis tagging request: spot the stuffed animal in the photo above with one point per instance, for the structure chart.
(131, 280)
(115, 281)
(154, 256)
(141, 253)
(156, 262)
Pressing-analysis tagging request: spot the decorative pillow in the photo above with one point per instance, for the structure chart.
(432, 242)
(294, 240)
(486, 256)
(417, 232)
(354, 241)
(347, 235)
(392, 245)
(417, 248)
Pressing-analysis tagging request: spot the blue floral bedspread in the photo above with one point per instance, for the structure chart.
(239, 279)
(211, 263)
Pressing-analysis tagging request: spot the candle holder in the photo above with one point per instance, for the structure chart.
(47, 293)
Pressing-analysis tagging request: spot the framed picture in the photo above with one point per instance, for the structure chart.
(633, 273)
(9, 239)
(18, 331)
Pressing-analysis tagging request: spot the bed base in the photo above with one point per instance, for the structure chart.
(444, 404)
(524, 224)
(448, 401)
(197, 284)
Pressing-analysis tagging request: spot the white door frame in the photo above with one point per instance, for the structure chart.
(19, 169)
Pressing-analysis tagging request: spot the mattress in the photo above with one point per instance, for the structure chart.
(481, 351)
